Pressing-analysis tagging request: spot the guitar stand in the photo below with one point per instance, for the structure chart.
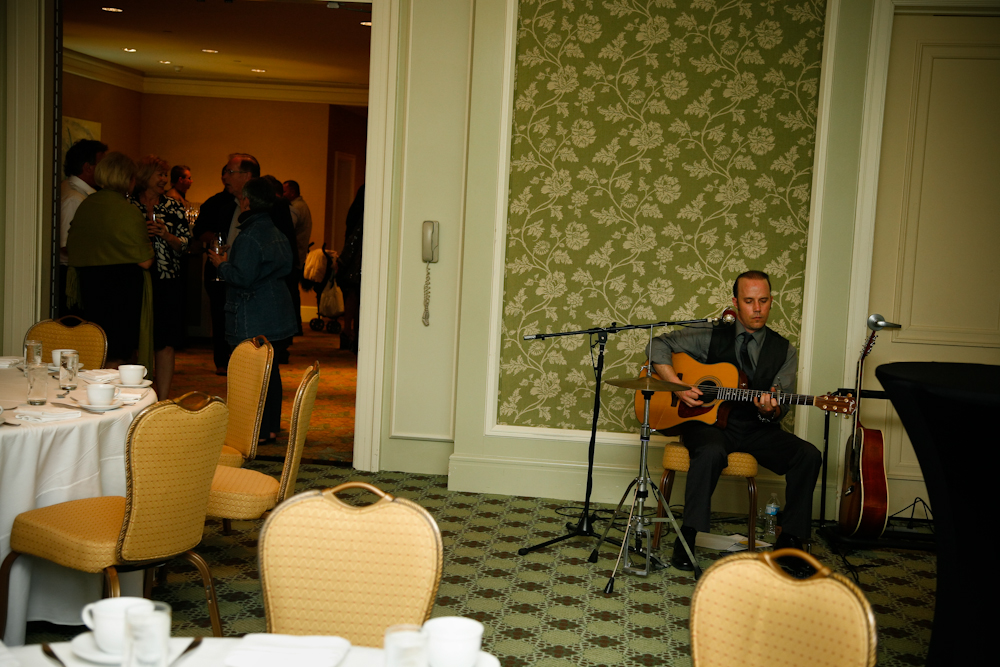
(638, 527)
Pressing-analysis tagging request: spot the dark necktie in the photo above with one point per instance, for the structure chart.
(745, 360)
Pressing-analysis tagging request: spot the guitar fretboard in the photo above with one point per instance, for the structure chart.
(731, 394)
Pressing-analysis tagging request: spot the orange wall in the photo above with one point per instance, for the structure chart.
(118, 110)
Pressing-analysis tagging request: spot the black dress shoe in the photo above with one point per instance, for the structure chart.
(793, 565)
(679, 557)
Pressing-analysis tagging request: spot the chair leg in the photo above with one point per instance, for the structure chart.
(227, 527)
(148, 577)
(752, 491)
(8, 562)
(206, 578)
(111, 584)
(666, 486)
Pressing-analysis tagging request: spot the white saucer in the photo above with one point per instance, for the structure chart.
(141, 385)
(84, 646)
(98, 408)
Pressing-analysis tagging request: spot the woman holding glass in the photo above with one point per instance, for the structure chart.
(167, 227)
(110, 254)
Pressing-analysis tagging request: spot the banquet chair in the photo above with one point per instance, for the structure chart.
(746, 611)
(238, 493)
(329, 568)
(73, 333)
(740, 464)
(246, 385)
(171, 452)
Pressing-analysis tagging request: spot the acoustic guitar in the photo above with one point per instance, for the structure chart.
(864, 495)
(721, 385)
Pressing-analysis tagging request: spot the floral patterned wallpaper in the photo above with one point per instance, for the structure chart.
(660, 148)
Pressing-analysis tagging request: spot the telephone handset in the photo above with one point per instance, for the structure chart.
(429, 253)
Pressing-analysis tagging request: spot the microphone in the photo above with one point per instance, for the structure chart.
(876, 323)
(728, 317)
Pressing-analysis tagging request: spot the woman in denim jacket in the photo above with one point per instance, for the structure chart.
(257, 299)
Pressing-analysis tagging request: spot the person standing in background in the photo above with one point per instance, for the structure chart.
(81, 161)
(180, 183)
(302, 219)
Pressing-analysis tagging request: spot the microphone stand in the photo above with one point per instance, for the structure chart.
(585, 525)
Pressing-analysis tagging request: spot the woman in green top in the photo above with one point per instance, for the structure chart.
(110, 252)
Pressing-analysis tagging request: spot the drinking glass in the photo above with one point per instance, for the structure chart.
(69, 364)
(405, 646)
(147, 635)
(38, 384)
(218, 243)
(32, 353)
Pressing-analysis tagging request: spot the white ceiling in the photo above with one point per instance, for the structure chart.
(296, 41)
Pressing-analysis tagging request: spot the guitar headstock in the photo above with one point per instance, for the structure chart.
(844, 405)
(869, 344)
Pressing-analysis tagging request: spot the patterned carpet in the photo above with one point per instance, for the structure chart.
(548, 608)
(331, 430)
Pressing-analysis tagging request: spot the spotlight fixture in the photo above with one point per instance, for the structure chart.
(209, 51)
(128, 50)
(254, 69)
(366, 23)
(113, 10)
(164, 62)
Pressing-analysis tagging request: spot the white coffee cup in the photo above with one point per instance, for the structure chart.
(131, 373)
(453, 641)
(107, 619)
(57, 354)
(102, 394)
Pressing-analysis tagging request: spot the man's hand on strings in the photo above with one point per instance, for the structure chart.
(690, 397)
(767, 405)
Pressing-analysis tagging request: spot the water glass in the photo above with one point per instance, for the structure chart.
(69, 364)
(38, 384)
(405, 646)
(32, 353)
(147, 635)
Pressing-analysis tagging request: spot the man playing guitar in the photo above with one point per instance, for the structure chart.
(769, 362)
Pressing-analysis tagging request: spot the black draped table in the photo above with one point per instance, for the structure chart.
(950, 413)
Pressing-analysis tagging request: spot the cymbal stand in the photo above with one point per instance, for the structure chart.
(638, 528)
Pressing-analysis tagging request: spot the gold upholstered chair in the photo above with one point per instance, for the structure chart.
(329, 568)
(246, 384)
(746, 611)
(238, 493)
(71, 332)
(171, 452)
(740, 464)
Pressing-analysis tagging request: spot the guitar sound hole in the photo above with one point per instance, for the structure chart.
(709, 391)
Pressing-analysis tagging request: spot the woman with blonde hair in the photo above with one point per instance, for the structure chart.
(170, 234)
(109, 257)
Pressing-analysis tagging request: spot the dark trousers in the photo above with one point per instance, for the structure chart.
(270, 421)
(217, 307)
(779, 451)
(293, 289)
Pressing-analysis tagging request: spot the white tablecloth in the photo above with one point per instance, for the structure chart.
(45, 464)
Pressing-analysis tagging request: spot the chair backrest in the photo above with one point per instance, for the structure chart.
(329, 568)
(746, 611)
(246, 382)
(305, 397)
(71, 332)
(172, 451)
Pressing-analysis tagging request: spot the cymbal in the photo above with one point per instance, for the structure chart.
(647, 384)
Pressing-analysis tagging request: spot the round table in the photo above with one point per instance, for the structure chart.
(42, 464)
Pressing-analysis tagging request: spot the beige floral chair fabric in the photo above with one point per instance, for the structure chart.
(71, 332)
(746, 611)
(330, 568)
(247, 376)
(170, 456)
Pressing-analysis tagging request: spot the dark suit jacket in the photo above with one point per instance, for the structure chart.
(216, 215)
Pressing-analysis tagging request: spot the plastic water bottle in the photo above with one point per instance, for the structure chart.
(771, 518)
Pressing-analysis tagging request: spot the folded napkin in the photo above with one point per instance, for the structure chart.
(46, 415)
(266, 650)
(99, 375)
(132, 397)
(9, 362)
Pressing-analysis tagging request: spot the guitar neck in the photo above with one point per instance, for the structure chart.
(731, 394)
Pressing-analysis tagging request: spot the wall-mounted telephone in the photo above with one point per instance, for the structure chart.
(429, 239)
(429, 253)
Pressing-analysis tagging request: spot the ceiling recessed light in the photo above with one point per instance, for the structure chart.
(128, 50)
(113, 10)
(254, 69)
(367, 23)
(209, 51)
(164, 62)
